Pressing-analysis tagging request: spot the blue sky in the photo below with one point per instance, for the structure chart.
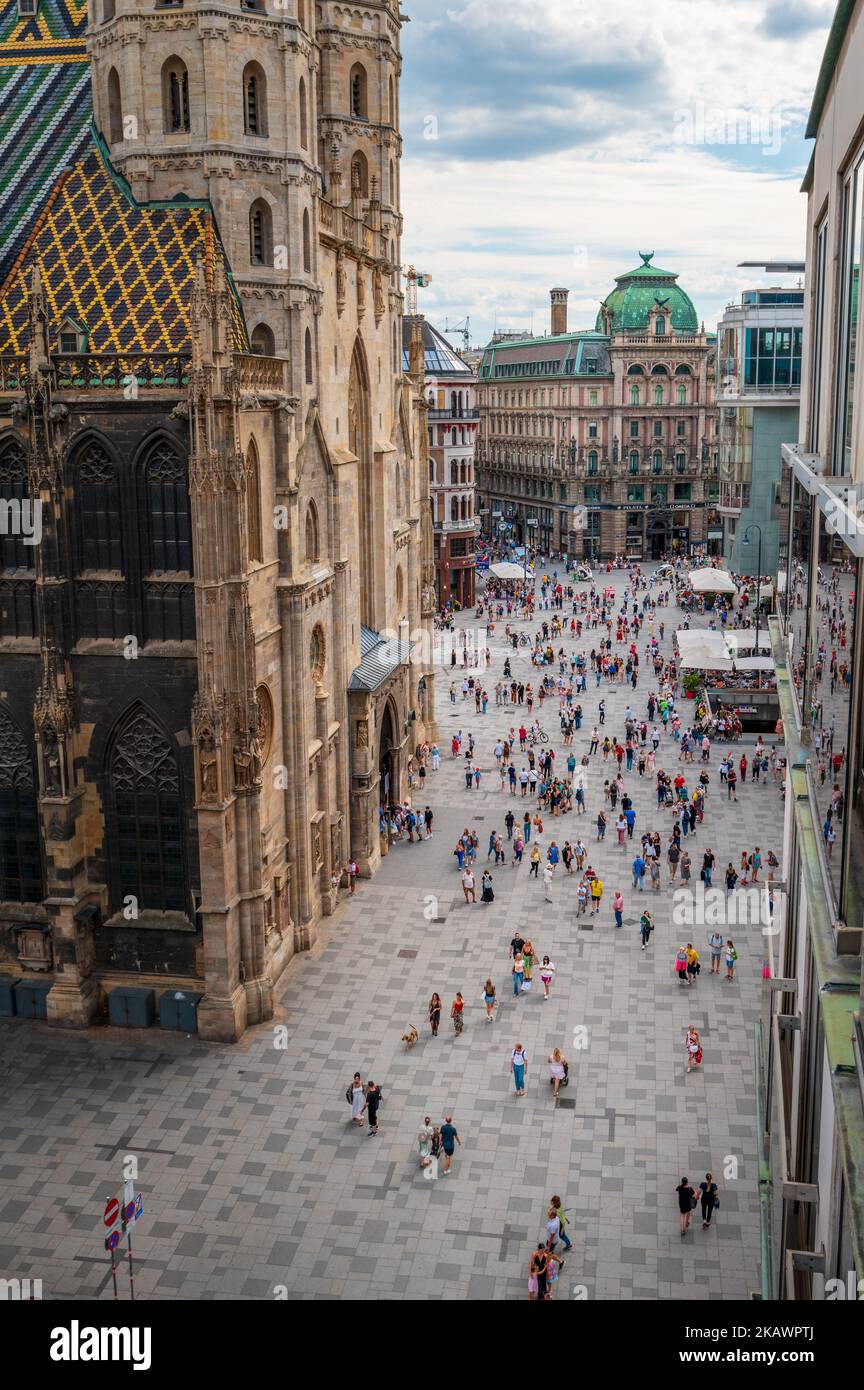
(549, 141)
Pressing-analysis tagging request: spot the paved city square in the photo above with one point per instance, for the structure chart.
(255, 1183)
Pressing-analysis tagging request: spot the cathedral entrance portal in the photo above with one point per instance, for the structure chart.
(388, 759)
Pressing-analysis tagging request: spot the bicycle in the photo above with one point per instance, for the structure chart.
(537, 736)
(524, 640)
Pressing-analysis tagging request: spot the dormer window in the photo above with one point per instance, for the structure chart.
(72, 338)
(660, 326)
(27, 8)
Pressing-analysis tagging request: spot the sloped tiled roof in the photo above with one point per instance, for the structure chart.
(124, 271)
(44, 110)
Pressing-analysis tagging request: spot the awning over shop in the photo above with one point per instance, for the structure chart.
(711, 581)
(505, 570)
(754, 663)
(702, 651)
(744, 640)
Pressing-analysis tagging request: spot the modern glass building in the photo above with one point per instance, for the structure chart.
(759, 384)
(809, 1047)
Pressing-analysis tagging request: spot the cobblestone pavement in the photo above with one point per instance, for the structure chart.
(255, 1183)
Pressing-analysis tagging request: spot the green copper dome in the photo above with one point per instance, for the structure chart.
(642, 294)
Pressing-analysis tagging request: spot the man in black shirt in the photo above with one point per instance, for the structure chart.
(516, 944)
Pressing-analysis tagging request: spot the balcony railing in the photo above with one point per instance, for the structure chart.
(466, 414)
(340, 224)
(100, 370)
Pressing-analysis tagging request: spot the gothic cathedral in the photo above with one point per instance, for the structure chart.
(216, 566)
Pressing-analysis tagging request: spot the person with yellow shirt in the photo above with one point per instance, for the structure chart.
(596, 895)
(693, 966)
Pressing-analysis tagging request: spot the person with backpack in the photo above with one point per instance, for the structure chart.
(638, 872)
(715, 942)
(518, 1066)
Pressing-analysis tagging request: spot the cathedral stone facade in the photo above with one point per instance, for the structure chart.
(213, 663)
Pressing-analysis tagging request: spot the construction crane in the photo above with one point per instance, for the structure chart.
(414, 281)
(462, 330)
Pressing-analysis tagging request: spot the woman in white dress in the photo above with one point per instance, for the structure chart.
(358, 1099)
(557, 1069)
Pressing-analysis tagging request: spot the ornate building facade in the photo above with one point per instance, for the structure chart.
(210, 669)
(453, 424)
(602, 442)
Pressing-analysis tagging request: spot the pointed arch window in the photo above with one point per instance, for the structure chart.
(307, 357)
(304, 115)
(169, 521)
(20, 841)
(175, 96)
(260, 233)
(15, 492)
(253, 503)
(97, 509)
(360, 175)
(254, 100)
(359, 104)
(262, 341)
(312, 540)
(144, 813)
(115, 108)
(307, 243)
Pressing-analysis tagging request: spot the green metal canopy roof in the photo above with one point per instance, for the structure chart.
(646, 291)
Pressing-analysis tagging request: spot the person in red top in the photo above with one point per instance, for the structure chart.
(523, 734)
(743, 768)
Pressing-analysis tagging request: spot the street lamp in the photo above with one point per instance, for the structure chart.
(530, 521)
(746, 541)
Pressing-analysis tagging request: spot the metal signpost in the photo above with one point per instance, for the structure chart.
(120, 1214)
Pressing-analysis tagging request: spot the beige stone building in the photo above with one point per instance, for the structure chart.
(212, 666)
(602, 442)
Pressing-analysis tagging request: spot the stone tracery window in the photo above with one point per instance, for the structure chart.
(145, 817)
(14, 489)
(97, 495)
(20, 843)
(170, 525)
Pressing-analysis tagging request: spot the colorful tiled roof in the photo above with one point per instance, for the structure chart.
(44, 110)
(123, 271)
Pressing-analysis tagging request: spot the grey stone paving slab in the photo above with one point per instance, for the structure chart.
(251, 1173)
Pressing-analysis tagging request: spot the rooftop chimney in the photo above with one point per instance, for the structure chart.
(559, 311)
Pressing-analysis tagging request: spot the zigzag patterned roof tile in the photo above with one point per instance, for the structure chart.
(124, 271)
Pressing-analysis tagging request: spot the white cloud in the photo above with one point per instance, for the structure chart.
(560, 127)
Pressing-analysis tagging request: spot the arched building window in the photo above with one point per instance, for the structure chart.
(14, 488)
(260, 233)
(169, 522)
(312, 542)
(175, 96)
(20, 843)
(144, 814)
(253, 503)
(634, 461)
(97, 510)
(359, 105)
(304, 115)
(115, 108)
(658, 395)
(307, 243)
(254, 100)
(307, 357)
(360, 174)
(634, 395)
(262, 341)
